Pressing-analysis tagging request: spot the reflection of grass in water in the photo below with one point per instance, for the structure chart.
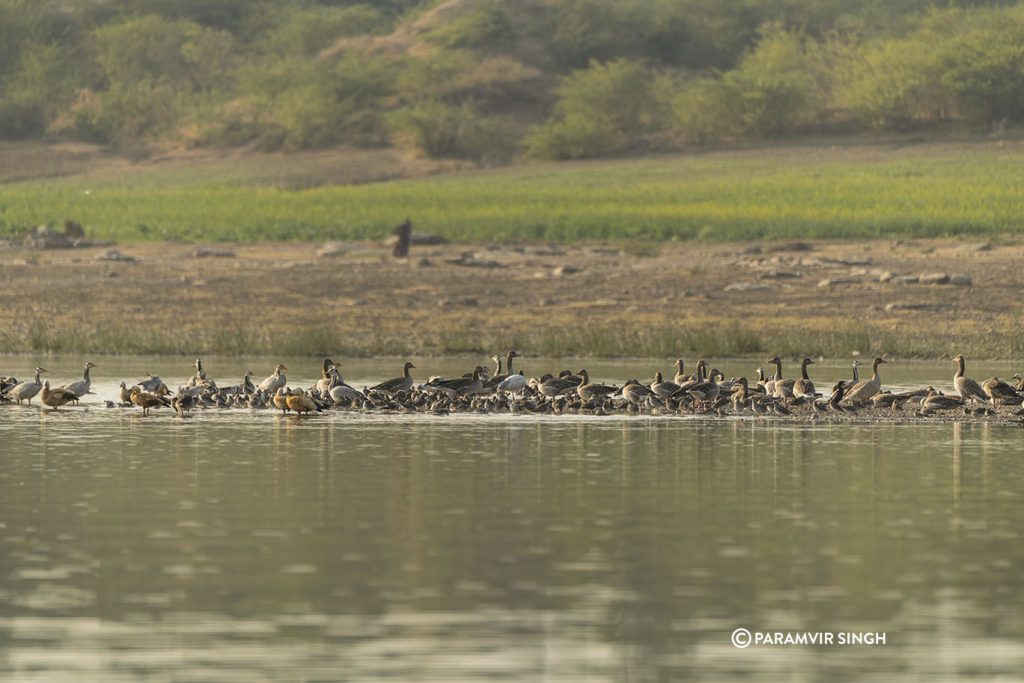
(709, 340)
(931, 190)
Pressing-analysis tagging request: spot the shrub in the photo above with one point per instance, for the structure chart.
(604, 108)
(707, 109)
(439, 129)
(486, 27)
(983, 69)
(894, 83)
(772, 90)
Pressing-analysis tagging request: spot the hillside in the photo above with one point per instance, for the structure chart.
(494, 81)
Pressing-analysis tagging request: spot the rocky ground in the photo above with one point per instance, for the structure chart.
(913, 298)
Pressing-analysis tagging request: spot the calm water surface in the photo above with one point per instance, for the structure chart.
(239, 546)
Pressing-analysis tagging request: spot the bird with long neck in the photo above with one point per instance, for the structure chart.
(403, 383)
(680, 375)
(804, 387)
(588, 391)
(868, 388)
(26, 391)
(508, 361)
(851, 383)
(326, 381)
(81, 387)
(500, 376)
(968, 389)
(780, 388)
(275, 381)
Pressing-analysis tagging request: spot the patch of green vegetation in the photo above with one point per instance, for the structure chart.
(597, 340)
(781, 193)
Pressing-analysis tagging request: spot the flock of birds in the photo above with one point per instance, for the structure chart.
(705, 391)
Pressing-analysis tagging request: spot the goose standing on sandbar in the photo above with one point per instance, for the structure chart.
(274, 382)
(588, 391)
(803, 388)
(680, 377)
(968, 389)
(403, 383)
(82, 386)
(868, 388)
(780, 388)
(26, 391)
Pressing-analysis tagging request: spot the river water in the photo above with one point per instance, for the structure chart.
(243, 546)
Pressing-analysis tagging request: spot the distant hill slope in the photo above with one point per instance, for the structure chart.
(492, 81)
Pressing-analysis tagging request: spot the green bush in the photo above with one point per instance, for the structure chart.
(776, 84)
(896, 82)
(485, 27)
(296, 103)
(155, 74)
(707, 109)
(307, 31)
(955, 63)
(605, 108)
(439, 129)
(983, 69)
(772, 90)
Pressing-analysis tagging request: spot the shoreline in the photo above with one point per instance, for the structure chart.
(912, 299)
